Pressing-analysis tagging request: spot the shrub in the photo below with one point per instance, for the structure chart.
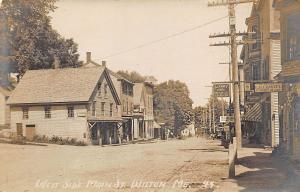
(58, 140)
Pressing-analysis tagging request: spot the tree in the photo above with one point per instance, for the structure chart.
(133, 76)
(33, 41)
(172, 104)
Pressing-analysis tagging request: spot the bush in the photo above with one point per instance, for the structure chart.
(58, 140)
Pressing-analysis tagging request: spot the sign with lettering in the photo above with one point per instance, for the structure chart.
(221, 90)
(226, 119)
(268, 87)
(223, 119)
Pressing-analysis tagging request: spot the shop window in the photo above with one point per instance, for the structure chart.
(293, 37)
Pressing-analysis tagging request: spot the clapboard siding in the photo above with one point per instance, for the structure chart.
(59, 124)
(275, 70)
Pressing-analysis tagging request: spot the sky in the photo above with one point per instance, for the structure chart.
(164, 38)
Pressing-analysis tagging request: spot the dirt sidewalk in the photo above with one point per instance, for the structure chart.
(258, 171)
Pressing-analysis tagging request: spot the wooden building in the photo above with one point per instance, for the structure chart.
(143, 111)
(124, 89)
(4, 108)
(261, 63)
(79, 103)
(290, 60)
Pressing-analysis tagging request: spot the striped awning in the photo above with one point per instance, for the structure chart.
(254, 113)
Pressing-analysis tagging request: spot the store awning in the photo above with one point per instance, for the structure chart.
(254, 114)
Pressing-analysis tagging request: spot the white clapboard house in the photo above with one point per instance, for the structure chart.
(79, 103)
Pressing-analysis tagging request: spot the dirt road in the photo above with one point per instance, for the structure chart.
(178, 165)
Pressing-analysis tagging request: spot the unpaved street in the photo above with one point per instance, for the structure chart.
(162, 166)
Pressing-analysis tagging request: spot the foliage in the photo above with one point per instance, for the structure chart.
(58, 140)
(172, 104)
(199, 116)
(33, 41)
(132, 76)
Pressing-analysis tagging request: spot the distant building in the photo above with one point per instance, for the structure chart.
(79, 103)
(143, 111)
(289, 100)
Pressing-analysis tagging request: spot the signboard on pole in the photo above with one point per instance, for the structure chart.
(223, 119)
(268, 87)
(226, 119)
(221, 90)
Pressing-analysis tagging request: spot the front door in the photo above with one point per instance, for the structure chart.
(19, 129)
(30, 132)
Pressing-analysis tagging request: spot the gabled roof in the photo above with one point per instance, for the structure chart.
(58, 86)
(4, 91)
(119, 77)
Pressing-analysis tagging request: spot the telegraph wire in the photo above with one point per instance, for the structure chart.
(164, 38)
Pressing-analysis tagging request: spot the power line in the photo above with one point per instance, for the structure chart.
(164, 38)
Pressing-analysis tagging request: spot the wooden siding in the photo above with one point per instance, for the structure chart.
(59, 124)
(107, 100)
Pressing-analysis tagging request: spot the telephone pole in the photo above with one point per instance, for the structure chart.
(234, 61)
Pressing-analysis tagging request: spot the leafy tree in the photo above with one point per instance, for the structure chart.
(132, 76)
(172, 104)
(34, 42)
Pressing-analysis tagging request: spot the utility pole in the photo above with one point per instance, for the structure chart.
(213, 112)
(233, 45)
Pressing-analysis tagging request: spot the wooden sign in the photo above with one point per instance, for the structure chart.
(223, 119)
(268, 87)
(221, 90)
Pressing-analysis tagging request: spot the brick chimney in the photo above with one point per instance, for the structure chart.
(88, 57)
(103, 63)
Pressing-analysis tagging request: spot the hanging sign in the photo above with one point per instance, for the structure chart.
(268, 87)
(221, 90)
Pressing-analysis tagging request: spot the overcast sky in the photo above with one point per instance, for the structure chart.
(108, 28)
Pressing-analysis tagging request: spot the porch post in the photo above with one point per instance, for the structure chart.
(119, 127)
(99, 135)
(132, 130)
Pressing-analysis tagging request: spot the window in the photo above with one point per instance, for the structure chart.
(47, 112)
(111, 109)
(103, 108)
(25, 113)
(105, 90)
(94, 108)
(70, 111)
(124, 106)
(99, 89)
(293, 37)
(256, 71)
(255, 37)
